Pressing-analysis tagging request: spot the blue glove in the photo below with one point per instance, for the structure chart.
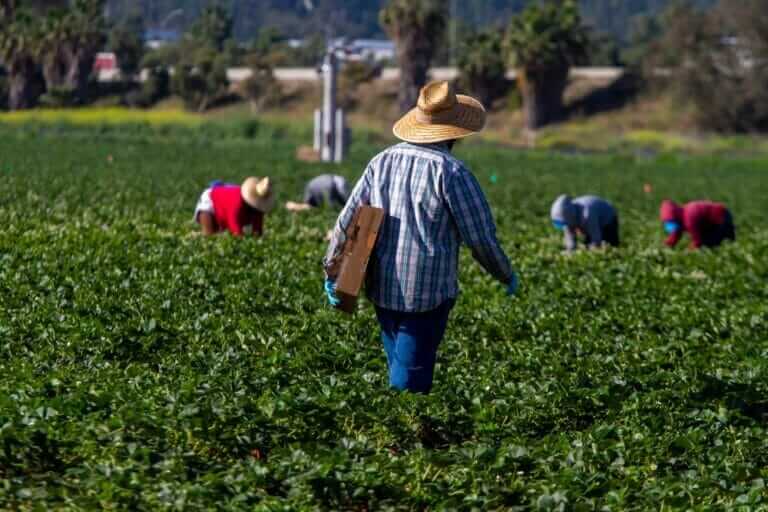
(559, 225)
(513, 285)
(671, 226)
(330, 291)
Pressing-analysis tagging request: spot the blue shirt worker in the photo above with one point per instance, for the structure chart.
(329, 189)
(591, 216)
(432, 204)
(324, 190)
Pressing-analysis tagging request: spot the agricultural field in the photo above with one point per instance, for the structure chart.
(145, 367)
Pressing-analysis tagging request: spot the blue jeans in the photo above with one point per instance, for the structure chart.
(410, 342)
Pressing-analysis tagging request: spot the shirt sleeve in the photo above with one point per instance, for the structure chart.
(472, 215)
(361, 195)
(672, 239)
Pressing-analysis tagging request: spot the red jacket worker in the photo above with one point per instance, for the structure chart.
(708, 223)
(233, 208)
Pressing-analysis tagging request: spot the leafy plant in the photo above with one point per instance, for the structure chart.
(145, 367)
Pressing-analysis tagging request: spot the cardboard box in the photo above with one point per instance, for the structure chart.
(362, 234)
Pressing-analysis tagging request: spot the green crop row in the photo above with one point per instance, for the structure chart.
(145, 367)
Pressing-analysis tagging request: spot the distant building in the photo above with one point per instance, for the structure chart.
(374, 49)
(156, 37)
(105, 61)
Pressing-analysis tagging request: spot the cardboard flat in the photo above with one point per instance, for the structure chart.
(362, 234)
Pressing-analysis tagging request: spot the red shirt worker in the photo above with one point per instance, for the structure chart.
(233, 208)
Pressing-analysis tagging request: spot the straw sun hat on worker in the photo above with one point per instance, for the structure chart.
(258, 193)
(440, 115)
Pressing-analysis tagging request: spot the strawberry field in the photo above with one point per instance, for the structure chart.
(145, 367)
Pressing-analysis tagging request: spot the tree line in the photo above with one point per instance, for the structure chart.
(49, 47)
(712, 58)
(359, 18)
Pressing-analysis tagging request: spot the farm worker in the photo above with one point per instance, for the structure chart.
(433, 203)
(593, 217)
(235, 208)
(708, 223)
(326, 189)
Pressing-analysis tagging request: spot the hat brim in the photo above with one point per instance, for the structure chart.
(465, 118)
(263, 204)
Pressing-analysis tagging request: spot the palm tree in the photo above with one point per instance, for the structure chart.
(416, 26)
(53, 58)
(85, 35)
(543, 42)
(482, 66)
(19, 46)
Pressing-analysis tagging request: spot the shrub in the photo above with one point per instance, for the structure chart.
(260, 89)
(352, 76)
(59, 97)
(201, 78)
(716, 61)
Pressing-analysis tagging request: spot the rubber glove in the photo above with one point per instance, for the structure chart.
(330, 291)
(671, 226)
(559, 225)
(513, 285)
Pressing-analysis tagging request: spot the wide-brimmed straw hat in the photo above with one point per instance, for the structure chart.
(440, 115)
(258, 193)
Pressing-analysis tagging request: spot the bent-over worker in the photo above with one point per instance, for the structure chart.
(591, 216)
(235, 208)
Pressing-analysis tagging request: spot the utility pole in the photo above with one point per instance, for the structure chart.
(329, 106)
(331, 132)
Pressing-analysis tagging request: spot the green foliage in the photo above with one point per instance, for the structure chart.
(126, 40)
(419, 19)
(59, 97)
(19, 48)
(604, 50)
(266, 40)
(417, 27)
(482, 66)
(353, 75)
(547, 35)
(714, 60)
(156, 87)
(260, 88)
(358, 18)
(213, 27)
(200, 78)
(143, 367)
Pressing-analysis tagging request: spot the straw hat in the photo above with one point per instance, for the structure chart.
(258, 193)
(440, 115)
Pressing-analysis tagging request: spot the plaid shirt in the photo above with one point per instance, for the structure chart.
(432, 204)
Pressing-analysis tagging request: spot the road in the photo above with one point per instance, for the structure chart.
(236, 75)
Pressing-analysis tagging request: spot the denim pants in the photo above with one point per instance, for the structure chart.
(410, 342)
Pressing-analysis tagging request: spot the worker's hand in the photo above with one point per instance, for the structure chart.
(513, 285)
(330, 291)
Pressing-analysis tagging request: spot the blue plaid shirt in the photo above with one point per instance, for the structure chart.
(432, 204)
